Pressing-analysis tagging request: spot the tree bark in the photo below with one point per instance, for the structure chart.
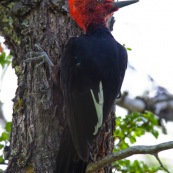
(38, 111)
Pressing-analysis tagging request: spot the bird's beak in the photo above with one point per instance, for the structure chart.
(124, 3)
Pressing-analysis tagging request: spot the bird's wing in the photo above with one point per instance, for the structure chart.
(79, 100)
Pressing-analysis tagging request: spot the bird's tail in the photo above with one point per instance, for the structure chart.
(67, 159)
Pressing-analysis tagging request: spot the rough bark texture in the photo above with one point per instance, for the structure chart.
(38, 112)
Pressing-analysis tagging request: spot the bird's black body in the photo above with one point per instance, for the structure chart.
(93, 67)
(92, 71)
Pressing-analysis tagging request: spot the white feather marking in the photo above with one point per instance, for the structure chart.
(98, 106)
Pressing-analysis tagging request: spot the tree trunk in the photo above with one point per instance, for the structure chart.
(38, 112)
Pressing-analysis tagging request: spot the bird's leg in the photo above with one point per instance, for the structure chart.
(40, 54)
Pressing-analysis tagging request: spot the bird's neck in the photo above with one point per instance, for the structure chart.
(96, 26)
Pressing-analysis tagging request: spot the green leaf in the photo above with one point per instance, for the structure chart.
(128, 129)
(8, 127)
(128, 48)
(1, 146)
(139, 132)
(4, 60)
(4, 136)
(1, 159)
(118, 121)
(136, 166)
(125, 145)
(132, 139)
(155, 133)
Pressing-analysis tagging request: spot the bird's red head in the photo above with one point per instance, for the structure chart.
(85, 12)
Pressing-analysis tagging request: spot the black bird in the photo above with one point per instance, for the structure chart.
(92, 71)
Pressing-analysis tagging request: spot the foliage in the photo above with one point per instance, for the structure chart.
(126, 166)
(4, 138)
(127, 130)
(127, 48)
(4, 59)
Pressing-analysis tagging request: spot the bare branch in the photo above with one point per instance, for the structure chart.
(139, 149)
(158, 159)
(161, 104)
(131, 104)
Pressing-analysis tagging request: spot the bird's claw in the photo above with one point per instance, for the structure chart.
(39, 54)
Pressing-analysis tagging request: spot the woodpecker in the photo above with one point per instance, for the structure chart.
(92, 70)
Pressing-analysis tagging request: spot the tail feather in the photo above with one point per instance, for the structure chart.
(67, 159)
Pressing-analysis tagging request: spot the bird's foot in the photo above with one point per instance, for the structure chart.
(39, 54)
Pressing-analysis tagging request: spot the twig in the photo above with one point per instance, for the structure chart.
(158, 159)
(140, 149)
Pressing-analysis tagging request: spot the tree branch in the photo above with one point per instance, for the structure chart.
(161, 104)
(158, 159)
(140, 149)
